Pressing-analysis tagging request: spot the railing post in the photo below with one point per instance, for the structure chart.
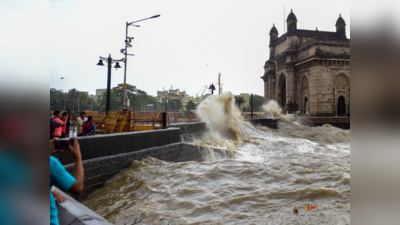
(164, 120)
(251, 105)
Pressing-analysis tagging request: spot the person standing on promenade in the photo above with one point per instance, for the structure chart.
(64, 118)
(79, 123)
(88, 126)
(57, 130)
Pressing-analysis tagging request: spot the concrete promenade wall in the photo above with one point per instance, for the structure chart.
(114, 144)
(339, 122)
(190, 131)
(73, 212)
(270, 123)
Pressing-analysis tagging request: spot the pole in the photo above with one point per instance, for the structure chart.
(108, 84)
(126, 47)
(219, 83)
(284, 27)
(68, 123)
(251, 105)
(77, 99)
(164, 120)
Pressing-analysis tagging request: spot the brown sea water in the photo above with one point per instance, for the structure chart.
(268, 173)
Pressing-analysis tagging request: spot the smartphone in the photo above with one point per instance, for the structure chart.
(63, 143)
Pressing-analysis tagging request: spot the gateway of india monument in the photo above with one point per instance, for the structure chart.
(309, 70)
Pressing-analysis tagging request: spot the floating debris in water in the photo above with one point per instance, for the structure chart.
(310, 207)
(295, 210)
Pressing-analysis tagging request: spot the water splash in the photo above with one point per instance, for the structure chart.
(273, 108)
(223, 120)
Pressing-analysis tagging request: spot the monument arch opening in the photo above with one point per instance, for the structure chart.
(305, 107)
(341, 106)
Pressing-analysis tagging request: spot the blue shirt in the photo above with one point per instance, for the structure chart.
(60, 178)
(15, 176)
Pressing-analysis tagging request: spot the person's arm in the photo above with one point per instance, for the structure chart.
(60, 177)
(62, 123)
(78, 170)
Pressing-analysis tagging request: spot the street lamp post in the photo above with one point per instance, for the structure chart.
(165, 104)
(125, 52)
(77, 98)
(110, 61)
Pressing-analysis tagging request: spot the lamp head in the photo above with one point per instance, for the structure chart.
(117, 66)
(100, 63)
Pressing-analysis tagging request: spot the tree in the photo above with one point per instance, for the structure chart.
(246, 108)
(191, 105)
(57, 99)
(138, 99)
(258, 102)
(174, 105)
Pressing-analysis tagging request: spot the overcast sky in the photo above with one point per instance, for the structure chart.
(186, 47)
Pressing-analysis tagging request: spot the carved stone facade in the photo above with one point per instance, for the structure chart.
(309, 70)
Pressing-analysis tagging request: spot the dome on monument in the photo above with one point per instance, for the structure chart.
(291, 16)
(273, 30)
(340, 21)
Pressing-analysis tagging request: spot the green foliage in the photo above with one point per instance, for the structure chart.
(246, 108)
(138, 99)
(258, 102)
(69, 101)
(174, 105)
(191, 105)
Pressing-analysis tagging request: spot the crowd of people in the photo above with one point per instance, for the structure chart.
(58, 124)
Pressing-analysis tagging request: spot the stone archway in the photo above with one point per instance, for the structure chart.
(282, 91)
(341, 106)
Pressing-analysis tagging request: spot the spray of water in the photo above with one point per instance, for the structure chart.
(273, 108)
(223, 120)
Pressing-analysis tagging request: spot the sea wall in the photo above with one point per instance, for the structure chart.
(270, 123)
(190, 131)
(113, 144)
